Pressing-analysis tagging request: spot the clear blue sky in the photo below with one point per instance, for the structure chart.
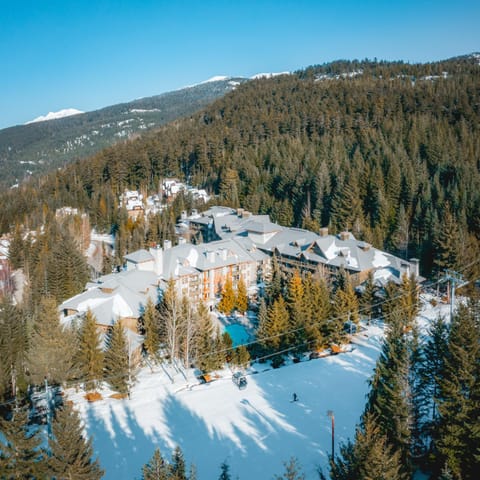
(87, 54)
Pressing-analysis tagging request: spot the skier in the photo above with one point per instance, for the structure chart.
(295, 397)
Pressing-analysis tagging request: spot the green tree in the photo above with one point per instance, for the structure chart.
(369, 457)
(117, 363)
(177, 469)
(292, 471)
(20, 453)
(458, 401)
(70, 453)
(89, 353)
(448, 243)
(13, 347)
(151, 325)
(52, 351)
(225, 472)
(156, 468)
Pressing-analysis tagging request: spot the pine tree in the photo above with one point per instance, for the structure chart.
(177, 469)
(292, 471)
(275, 287)
(52, 351)
(227, 300)
(317, 309)
(368, 298)
(241, 299)
(156, 468)
(296, 307)
(70, 453)
(276, 327)
(389, 389)
(207, 343)
(20, 453)
(369, 457)
(241, 356)
(458, 402)
(13, 347)
(225, 472)
(448, 243)
(117, 364)
(89, 354)
(151, 321)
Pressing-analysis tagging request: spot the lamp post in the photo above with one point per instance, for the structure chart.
(332, 417)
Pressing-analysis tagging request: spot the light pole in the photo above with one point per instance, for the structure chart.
(332, 417)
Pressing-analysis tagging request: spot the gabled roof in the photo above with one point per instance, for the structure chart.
(139, 256)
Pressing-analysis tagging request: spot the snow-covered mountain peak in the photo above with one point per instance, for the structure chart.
(268, 75)
(216, 78)
(66, 112)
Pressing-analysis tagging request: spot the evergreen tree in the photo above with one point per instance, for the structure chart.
(369, 457)
(89, 354)
(241, 356)
(448, 243)
(70, 453)
(13, 347)
(225, 472)
(20, 453)
(317, 311)
(177, 469)
(151, 326)
(275, 287)
(227, 300)
(368, 298)
(117, 362)
(292, 471)
(389, 392)
(241, 299)
(52, 351)
(297, 308)
(458, 402)
(276, 327)
(156, 468)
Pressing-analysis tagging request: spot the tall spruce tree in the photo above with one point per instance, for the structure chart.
(70, 453)
(52, 352)
(89, 353)
(369, 457)
(388, 399)
(458, 401)
(20, 454)
(241, 297)
(117, 370)
(156, 468)
(151, 326)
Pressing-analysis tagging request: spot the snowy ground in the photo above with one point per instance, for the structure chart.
(255, 430)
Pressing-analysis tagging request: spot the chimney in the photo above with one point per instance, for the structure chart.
(182, 240)
(183, 215)
(157, 254)
(344, 236)
(223, 253)
(167, 244)
(246, 214)
(210, 256)
(240, 212)
(415, 263)
(323, 232)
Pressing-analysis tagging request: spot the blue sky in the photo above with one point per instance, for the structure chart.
(87, 54)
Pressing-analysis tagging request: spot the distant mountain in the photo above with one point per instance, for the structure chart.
(40, 145)
(67, 112)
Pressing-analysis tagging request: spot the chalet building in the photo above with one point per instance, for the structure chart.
(133, 202)
(237, 245)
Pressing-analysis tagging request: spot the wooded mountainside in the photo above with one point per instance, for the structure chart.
(41, 147)
(390, 151)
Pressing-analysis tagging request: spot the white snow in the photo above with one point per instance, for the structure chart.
(254, 430)
(66, 112)
(268, 75)
(216, 78)
(380, 259)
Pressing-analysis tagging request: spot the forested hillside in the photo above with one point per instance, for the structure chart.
(40, 147)
(390, 151)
